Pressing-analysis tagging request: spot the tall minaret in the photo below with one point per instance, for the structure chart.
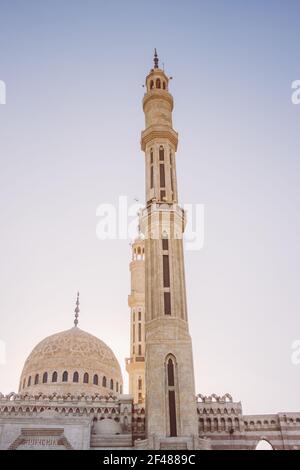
(170, 390)
(135, 364)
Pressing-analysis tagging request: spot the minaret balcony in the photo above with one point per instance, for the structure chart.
(158, 133)
(157, 219)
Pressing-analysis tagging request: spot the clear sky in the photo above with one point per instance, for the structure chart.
(69, 141)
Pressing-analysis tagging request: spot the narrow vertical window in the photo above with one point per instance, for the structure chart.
(111, 384)
(166, 271)
(162, 175)
(45, 378)
(140, 350)
(167, 302)
(140, 384)
(140, 332)
(95, 379)
(151, 170)
(36, 379)
(29, 381)
(75, 377)
(54, 377)
(86, 378)
(161, 153)
(165, 244)
(171, 173)
(104, 382)
(140, 315)
(172, 398)
(151, 177)
(65, 376)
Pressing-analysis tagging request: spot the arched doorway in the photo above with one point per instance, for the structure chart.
(263, 444)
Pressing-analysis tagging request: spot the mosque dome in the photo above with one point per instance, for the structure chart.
(71, 362)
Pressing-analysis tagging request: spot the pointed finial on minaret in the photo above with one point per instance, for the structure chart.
(77, 310)
(155, 59)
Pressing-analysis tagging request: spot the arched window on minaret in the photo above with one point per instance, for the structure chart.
(111, 384)
(104, 382)
(29, 381)
(36, 379)
(151, 84)
(45, 378)
(164, 85)
(158, 83)
(171, 394)
(65, 376)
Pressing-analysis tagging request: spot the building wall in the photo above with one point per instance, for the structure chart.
(222, 421)
(63, 421)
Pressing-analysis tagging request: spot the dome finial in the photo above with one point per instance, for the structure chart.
(155, 59)
(77, 310)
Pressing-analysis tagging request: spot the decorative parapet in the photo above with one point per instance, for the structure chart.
(92, 406)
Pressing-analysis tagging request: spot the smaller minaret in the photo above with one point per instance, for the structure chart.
(135, 364)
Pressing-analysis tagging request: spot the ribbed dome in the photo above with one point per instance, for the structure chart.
(71, 361)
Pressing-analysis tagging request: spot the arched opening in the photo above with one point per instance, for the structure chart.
(29, 381)
(111, 384)
(263, 444)
(86, 378)
(54, 377)
(161, 153)
(65, 376)
(164, 85)
(36, 379)
(151, 85)
(171, 396)
(223, 424)
(95, 379)
(75, 377)
(117, 386)
(104, 382)
(45, 378)
(158, 84)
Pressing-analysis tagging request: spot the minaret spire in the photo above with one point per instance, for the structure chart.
(77, 310)
(155, 59)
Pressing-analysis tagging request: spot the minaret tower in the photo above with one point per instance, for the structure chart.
(170, 390)
(135, 364)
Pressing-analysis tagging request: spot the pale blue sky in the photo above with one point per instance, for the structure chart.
(69, 141)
